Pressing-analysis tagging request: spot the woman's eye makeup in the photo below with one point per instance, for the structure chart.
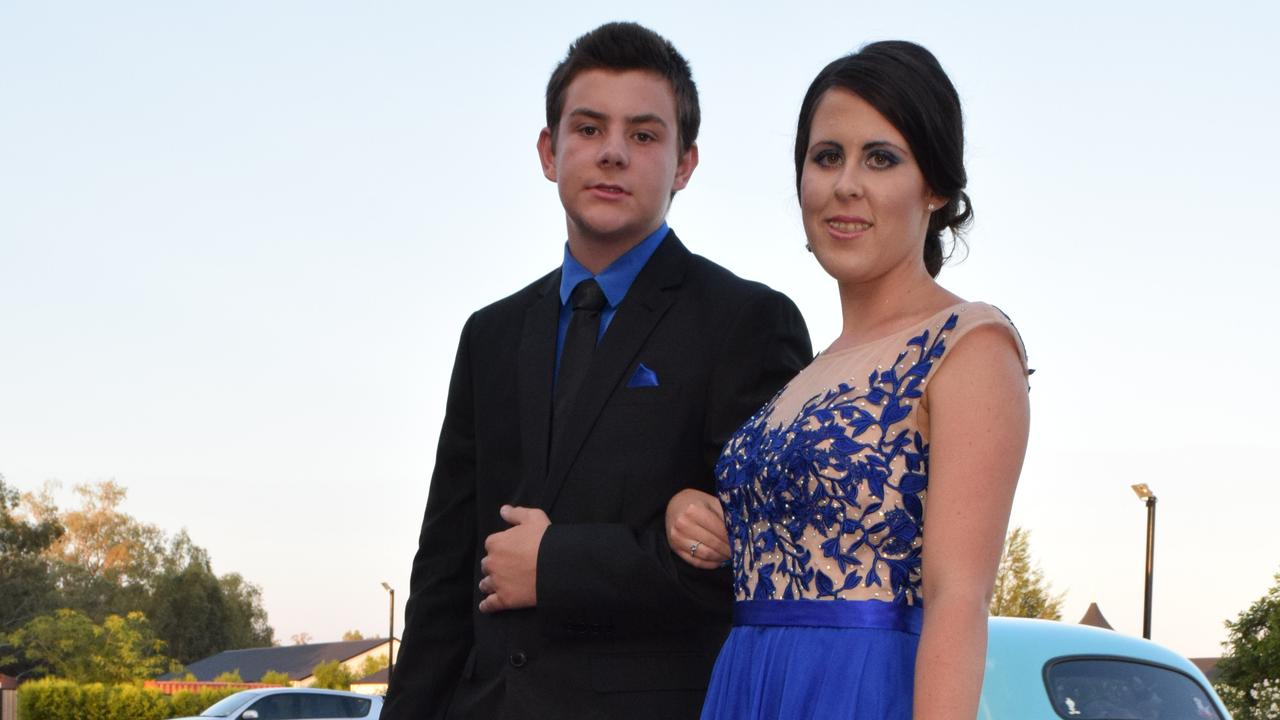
(827, 157)
(881, 159)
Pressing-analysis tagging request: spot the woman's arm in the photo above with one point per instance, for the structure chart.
(693, 517)
(979, 418)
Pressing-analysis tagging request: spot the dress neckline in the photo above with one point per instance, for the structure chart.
(914, 327)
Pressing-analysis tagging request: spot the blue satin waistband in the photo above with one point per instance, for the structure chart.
(830, 613)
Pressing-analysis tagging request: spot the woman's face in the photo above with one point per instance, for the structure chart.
(864, 201)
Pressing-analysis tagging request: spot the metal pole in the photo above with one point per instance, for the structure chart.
(1151, 542)
(391, 634)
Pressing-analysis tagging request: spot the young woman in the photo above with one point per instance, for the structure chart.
(849, 604)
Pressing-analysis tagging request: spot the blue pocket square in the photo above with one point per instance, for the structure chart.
(643, 377)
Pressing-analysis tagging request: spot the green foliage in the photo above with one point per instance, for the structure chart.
(99, 561)
(1020, 588)
(353, 635)
(1249, 674)
(332, 675)
(27, 584)
(272, 677)
(54, 699)
(231, 676)
(184, 702)
(372, 664)
(69, 645)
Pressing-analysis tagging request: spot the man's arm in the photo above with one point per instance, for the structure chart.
(437, 632)
(592, 577)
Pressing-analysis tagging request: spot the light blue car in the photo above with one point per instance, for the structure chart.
(1044, 670)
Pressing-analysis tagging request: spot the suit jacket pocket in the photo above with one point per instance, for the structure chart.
(642, 672)
(645, 395)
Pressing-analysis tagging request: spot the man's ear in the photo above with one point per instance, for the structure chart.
(547, 154)
(684, 169)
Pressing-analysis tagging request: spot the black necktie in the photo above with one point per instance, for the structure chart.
(587, 300)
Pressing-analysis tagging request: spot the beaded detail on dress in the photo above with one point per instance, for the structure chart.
(824, 489)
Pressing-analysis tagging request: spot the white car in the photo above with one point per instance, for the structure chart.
(293, 704)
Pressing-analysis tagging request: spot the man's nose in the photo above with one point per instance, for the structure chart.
(613, 152)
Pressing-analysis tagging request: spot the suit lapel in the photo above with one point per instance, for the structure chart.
(536, 365)
(646, 302)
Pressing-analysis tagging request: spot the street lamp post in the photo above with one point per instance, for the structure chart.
(391, 634)
(1144, 493)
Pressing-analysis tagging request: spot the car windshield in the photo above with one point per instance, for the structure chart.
(228, 704)
(1118, 689)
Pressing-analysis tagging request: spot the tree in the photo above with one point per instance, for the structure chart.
(1020, 588)
(372, 664)
(274, 677)
(301, 638)
(230, 676)
(100, 561)
(332, 675)
(353, 635)
(69, 645)
(26, 586)
(1249, 673)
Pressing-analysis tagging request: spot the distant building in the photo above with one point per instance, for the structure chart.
(1093, 616)
(1208, 666)
(375, 684)
(297, 661)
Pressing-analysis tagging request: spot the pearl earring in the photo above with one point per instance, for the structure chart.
(930, 207)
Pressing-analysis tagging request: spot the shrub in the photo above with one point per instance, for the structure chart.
(55, 699)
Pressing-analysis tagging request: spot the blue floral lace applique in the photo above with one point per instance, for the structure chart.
(827, 472)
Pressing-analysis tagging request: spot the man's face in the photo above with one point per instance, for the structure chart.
(617, 156)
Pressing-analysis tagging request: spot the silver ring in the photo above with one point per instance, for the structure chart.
(693, 549)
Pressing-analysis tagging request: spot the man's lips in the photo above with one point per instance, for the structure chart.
(608, 190)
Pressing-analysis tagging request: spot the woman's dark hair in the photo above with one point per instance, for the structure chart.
(905, 83)
(628, 46)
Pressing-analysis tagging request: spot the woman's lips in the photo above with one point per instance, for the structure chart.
(848, 226)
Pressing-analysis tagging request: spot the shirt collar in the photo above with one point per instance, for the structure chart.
(616, 279)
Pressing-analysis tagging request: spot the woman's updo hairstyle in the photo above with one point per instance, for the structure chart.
(905, 83)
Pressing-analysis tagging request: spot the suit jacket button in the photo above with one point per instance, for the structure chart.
(518, 659)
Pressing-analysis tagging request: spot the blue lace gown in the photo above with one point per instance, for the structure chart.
(824, 493)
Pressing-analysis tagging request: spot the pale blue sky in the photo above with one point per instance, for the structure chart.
(238, 241)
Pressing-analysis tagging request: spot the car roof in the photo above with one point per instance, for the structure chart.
(1019, 648)
(307, 690)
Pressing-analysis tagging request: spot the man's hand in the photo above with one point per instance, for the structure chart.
(510, 564)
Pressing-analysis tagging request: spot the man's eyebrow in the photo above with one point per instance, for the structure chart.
(646, 118)
(588, 112)
(631, 119)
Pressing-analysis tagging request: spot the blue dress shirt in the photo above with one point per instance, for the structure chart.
(614, 280)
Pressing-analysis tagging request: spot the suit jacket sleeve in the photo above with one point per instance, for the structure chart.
(609, 577)
(438, 614)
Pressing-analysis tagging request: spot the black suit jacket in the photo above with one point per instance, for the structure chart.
(622, 628)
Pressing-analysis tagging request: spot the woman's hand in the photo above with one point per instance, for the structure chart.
(695, 529)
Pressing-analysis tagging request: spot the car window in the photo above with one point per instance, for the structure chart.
(1120, 689)
(324, 706)
(356, 707)
(284, 706)
(228, 704)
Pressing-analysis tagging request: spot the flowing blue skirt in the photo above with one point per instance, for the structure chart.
(799, 659)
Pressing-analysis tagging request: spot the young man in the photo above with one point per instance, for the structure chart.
(543, 586)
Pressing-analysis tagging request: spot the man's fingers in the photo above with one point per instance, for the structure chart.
(491, 604)
(517, 515)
